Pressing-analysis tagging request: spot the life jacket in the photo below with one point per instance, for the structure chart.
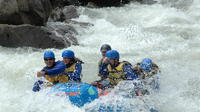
(62, 78)
(52, 80)
(116, 74)
(73, 66)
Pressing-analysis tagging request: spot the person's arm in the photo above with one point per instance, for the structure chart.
(129, 72)
(136, 67)
(99, 67)
(130, 75)
(57, 69)
(36, 86)
(156, 68)
(104, 70)
(76, 75)
(103, 63)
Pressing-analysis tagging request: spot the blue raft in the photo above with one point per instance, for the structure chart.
(79, 93)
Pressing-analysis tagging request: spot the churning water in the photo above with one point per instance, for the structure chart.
(168, 32)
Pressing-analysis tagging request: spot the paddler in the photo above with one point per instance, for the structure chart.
(116, 71)
(102, 63)
(73, 66)
(147, 72)
(53, 72)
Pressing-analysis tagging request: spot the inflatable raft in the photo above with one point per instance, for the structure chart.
(79, 93)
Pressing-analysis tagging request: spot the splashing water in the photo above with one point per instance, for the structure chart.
(167, 32)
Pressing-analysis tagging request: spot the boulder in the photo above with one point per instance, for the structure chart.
(70, 12)
(16, 12)
(63, 3)
(64, 30)
(109, 3)
(65, 13)
(33, 36)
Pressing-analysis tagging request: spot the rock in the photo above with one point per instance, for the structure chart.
(83, 2)
(16, 12)
(70, 12)
(107, 3)
(56, 15)
(92, 5)
(32, 36)
(61, 14)
(63, 3)
(82, 24)
(66, 31)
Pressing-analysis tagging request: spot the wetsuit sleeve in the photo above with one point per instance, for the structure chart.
(76, 75)
(129, 72)
(57, 69)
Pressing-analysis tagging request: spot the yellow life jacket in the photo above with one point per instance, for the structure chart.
(116, 74)
(71, 68)
(62, 78)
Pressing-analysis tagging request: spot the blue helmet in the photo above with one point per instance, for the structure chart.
(146, 64)
(68, 54)
(113, 54)
(49, 54)
(105, 47)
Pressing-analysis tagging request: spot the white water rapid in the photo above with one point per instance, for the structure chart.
(168, 32)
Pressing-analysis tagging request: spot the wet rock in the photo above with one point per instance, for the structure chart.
(92, 5)
(56, 15)
(106, 3)
(82, 24)
(63, 3)
(89, 3)
(61, 14)
(66, 31)
(70, 12)
(35, 12)
(33, 36)
(109, 3)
